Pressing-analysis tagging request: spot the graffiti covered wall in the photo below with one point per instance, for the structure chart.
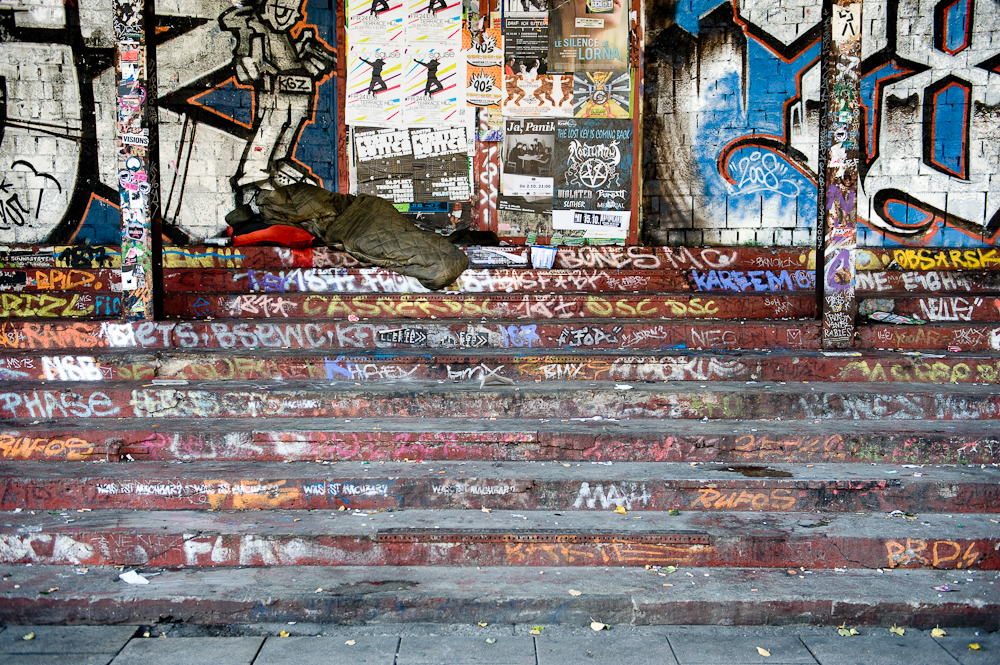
(732, 128)
(246, 98)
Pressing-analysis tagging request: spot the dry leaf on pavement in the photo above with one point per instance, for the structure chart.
(574, 592)
(764, 652)
(937, 632)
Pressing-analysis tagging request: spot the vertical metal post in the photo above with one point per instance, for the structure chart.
(843, 124)
(135, 136)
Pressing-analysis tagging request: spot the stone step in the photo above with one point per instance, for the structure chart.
(573, 364)
(498, 595)
(579, 439)
(646, 486)
(502, 306)
(965, 336)
(551, 399)
(500, 538)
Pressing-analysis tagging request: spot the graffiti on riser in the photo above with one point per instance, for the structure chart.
(734, 105)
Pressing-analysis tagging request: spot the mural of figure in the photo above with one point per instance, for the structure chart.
(433, 85)
(376, 81)
(285, 72)
(514, 88)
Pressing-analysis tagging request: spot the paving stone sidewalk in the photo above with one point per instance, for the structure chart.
(418, 644)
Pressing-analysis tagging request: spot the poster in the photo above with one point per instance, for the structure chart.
(484, 68)
(434, 88)
(374, 86)
(526, 169)
(581, 40)
(375, 22)
(527, 44)
(602, 94)
(434, 22)
(595, 224)
(593, 169)
(440, 164)
(384, 160)
(543, 95)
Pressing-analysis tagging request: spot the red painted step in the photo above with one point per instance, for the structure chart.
(375, 439)
(500, 538)
(497, 595)
(509, 486)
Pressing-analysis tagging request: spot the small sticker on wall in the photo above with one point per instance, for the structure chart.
(589, 22)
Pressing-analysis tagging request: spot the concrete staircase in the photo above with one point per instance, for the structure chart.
(637, 435)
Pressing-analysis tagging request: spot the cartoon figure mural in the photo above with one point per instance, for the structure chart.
(284, 70)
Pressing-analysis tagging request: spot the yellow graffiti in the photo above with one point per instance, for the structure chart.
(927, 259)
(26, 447)
(714, 500)
(941, 552)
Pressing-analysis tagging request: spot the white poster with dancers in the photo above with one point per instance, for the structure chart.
(434, 22)
(376, 22)
(375, 86)
(434, 88)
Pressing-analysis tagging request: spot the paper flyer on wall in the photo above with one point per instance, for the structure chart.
(484, 66)
(596, 224)
(434, 88)
(581, 39)
(384, 163)
(526, 175)
(376, 22)
(543, 95)
(440, 164)
(526, 38)
(374, 86)
(602, 94)
(593, 167)
(434, 22)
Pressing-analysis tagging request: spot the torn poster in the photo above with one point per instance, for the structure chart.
(374, 86)
(440, 164)
(526, 176)
(384, 163)
(375, 22)
(602, 94)
(593, 169)
(434, 89)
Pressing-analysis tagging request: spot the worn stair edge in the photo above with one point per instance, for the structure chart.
(526, 364)
(268, 306)
(500, 538)
(387, 594)
(572, 399)
(376, 439)
(319, 334)
(830, 487)
(954, 336)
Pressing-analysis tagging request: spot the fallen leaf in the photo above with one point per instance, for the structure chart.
(937, 632)
(132, 577)
(565, 464)
(671, 569)
(764, 652)
(620, 509)
(146, 634)
(486, 510)
(975, 646)
(284, 633)
(791, 571)
(29, 636)
(45, 593)
(598, 626)
(318, 590)
(673, 512)
(897, 630)
(854, 632)
(491, 640)
(574, 592)
(350, 643)
(535, 631)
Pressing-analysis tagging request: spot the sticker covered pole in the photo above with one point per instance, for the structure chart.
(135, 142)
(840, 305)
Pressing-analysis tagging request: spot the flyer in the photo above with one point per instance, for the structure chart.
(484, 68)
(375, 22)
(593, 168)
(440, 164)
(434, 88)
(526, 168)
(434, 22)
(526, 37)
(374, 86)
(384, 160)
(582, 40)
(596, 224)
(543, 95)
(602, 94)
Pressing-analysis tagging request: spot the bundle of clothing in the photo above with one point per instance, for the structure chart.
(367, 227)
